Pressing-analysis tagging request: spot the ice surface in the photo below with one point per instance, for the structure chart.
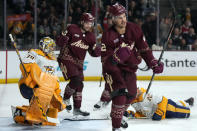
(176, 90)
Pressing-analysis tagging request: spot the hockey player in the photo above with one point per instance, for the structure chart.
(74, 43)
(158, 107)
(123, 45)
(40, 86)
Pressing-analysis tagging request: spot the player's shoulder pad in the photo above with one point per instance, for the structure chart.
(136, 29)
(73, 28)
(37, 52)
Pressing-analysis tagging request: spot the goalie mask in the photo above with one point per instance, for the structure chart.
(47, 45)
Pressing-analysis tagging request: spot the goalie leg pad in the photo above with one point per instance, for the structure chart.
(40, 102)
(56, 101)
(52, 112)
(176, 111)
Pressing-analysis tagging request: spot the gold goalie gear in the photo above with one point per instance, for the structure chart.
(45, 101)
(158, 107)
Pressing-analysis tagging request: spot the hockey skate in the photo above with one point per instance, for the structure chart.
(100, 104)
(190, 101)
(124, 124)
(68, 105)
(77, 112)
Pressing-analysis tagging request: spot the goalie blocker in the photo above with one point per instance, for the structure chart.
(42, 90)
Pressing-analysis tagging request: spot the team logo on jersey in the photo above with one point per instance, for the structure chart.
(49, 69)
(126, 45)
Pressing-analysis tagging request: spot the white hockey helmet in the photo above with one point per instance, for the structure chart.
(47, 45)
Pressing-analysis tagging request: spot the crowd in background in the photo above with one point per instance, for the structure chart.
(51, 21)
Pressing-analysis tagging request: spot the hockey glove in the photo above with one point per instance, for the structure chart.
(121, 55)
(157, 67)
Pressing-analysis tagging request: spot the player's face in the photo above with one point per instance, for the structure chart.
(87, 26)
(121, 20)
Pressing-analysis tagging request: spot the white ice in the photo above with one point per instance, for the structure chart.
(176, 90)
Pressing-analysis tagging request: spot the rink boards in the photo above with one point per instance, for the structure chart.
(179, 65)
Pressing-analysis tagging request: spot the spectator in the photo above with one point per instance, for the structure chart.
(29, 31)
(164, 29)
(186, 15)
(44, 29)
(177, 38)
(69, 21)
(107, 19)
(19, 6)
(56, 27)
(17, 29)
(183, 45)
(76, 15)
(195, 46)
(185, 27)
(44, 10)
(132, 11)
(149, 28)
(190, 37)
(170, 46)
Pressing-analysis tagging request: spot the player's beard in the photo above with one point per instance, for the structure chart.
(85, 29)
(121, 25)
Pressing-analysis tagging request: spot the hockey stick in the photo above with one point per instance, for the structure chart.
(36, 97)
(17, 52)
(100, 81)
(165, 45)
(86, 119)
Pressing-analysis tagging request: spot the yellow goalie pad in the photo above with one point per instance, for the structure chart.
(40, 102)
(46, 97)
(19, 114)
(161, 108)
(56, 101)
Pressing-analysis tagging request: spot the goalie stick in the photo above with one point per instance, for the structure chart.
(165, 46)
(35, 96)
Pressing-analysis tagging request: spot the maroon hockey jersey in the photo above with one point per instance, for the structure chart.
(75, 44)
(134, 39)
